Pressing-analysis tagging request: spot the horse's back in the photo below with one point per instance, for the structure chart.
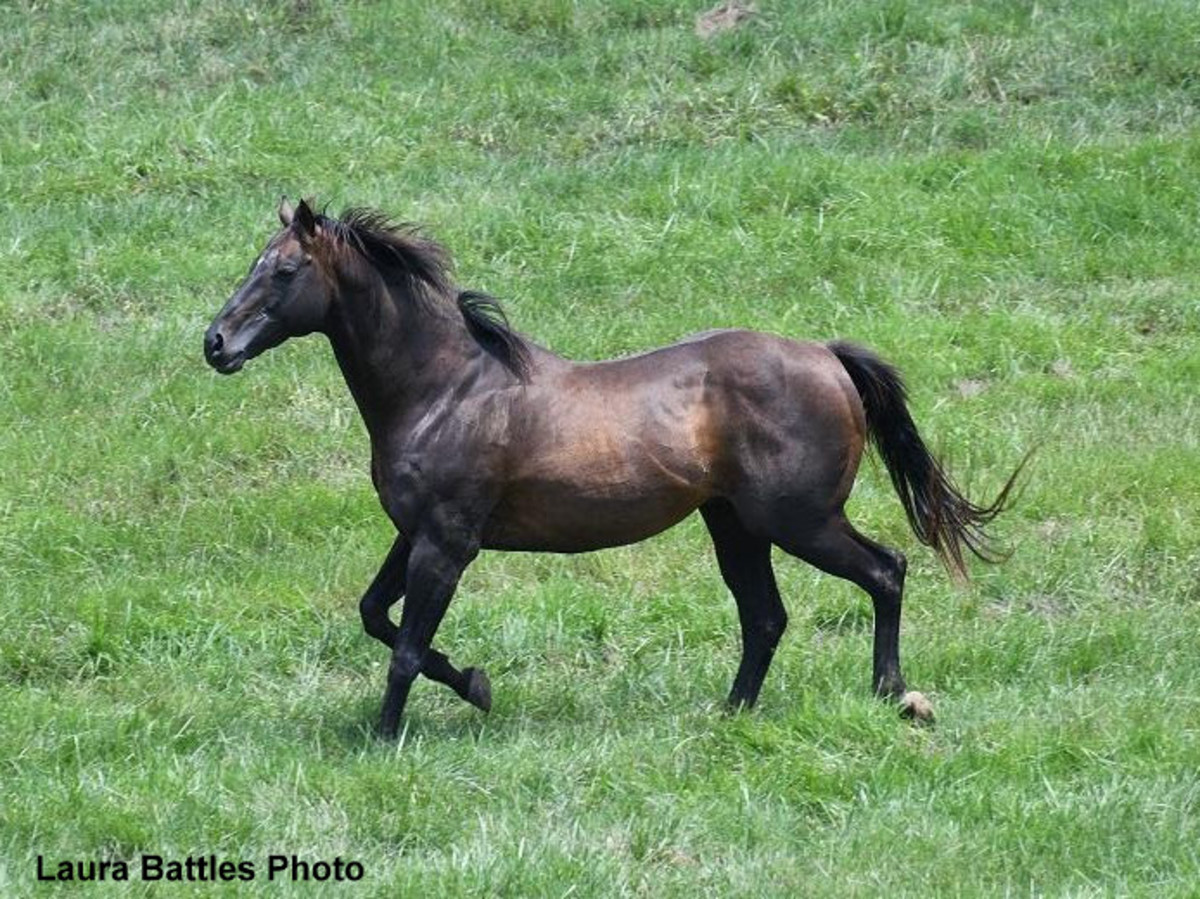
(724, 399)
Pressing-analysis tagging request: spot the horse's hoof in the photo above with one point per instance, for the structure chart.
(479, 689)
(916, 707)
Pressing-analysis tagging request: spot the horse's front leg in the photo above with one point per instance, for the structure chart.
(385, 591)
(434, 566)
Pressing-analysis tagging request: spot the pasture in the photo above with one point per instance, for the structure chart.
(999, 197)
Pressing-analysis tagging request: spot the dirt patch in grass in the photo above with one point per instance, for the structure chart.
(724, 17)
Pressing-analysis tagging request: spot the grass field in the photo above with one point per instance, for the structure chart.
(1000, 197)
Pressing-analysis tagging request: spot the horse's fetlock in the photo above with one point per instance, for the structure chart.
(890, 685)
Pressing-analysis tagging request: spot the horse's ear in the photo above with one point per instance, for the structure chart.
(286, 212)
(304, 221)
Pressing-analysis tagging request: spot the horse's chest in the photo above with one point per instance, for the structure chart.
(398, 488)
(417, 489)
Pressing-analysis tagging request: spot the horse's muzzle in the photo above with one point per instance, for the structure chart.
(215, 355)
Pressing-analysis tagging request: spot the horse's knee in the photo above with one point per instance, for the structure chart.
(375, 621)
(368, 610)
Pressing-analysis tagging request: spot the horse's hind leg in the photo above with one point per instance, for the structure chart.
(745, 562)
(837, 548)
(386, 589)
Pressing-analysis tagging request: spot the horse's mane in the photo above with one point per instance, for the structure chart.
(400, 252)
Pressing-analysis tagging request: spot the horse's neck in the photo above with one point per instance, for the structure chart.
(397, 358)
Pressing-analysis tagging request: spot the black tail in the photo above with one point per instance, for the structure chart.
(939, 514)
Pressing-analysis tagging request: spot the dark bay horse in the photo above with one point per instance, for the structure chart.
(481, 439)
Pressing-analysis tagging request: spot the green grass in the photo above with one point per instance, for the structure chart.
(998, 196)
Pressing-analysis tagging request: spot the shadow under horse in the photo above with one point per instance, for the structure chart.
(481, 439)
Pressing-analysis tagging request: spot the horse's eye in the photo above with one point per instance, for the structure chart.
(285, 271)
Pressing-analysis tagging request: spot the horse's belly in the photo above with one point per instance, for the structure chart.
(572, 520)
(612, 467)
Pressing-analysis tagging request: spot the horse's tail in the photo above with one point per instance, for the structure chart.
(940, 516)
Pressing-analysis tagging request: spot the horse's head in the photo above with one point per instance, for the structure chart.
(284, 295)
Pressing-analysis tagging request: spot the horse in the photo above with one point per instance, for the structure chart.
(482, 439)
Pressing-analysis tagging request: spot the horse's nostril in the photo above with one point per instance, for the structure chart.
(213, 341)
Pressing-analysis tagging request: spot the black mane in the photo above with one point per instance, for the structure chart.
(399, 251)
(489, 326)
